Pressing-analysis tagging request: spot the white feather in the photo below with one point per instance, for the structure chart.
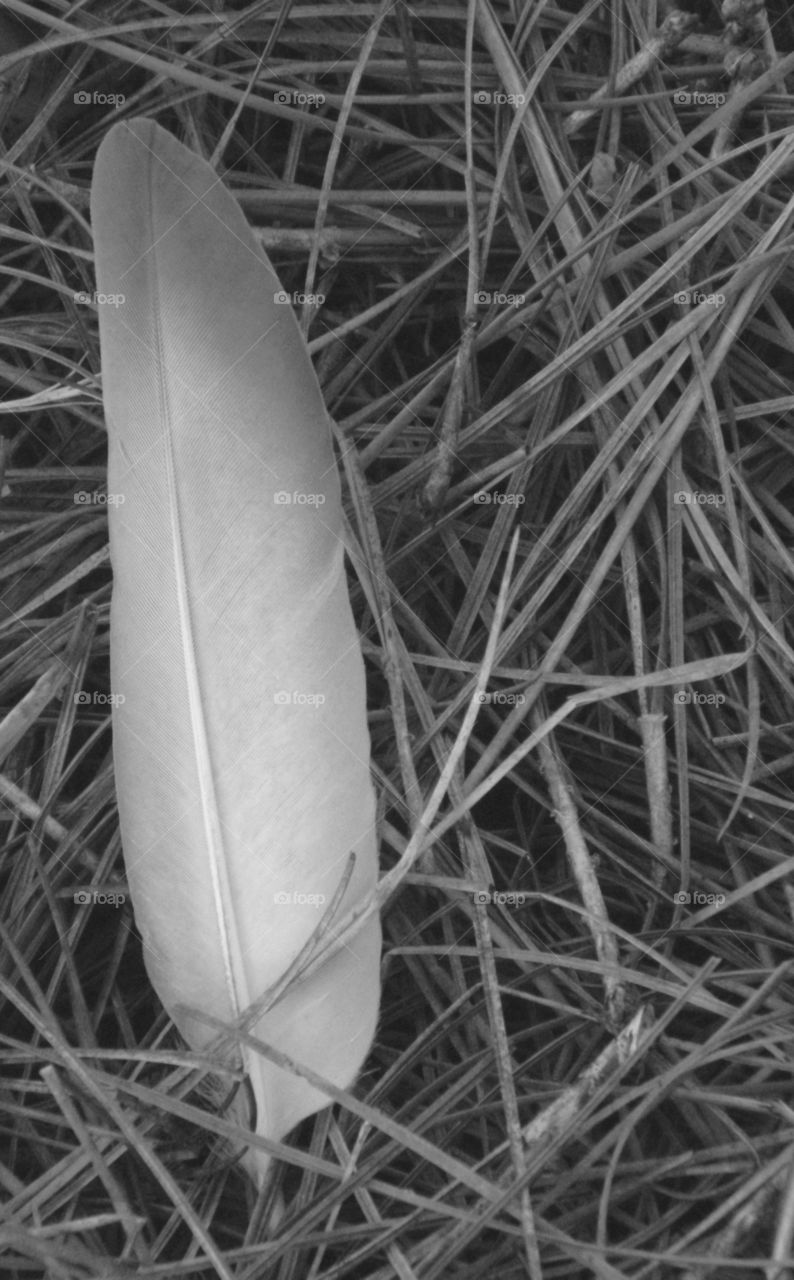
(239, 733)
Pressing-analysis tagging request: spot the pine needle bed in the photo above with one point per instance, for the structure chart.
(543, 259)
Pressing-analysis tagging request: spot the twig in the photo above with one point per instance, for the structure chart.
(669, 36)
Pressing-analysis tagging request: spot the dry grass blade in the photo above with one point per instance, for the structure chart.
(542, 255)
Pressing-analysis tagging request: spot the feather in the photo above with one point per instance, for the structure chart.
(240, 739)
